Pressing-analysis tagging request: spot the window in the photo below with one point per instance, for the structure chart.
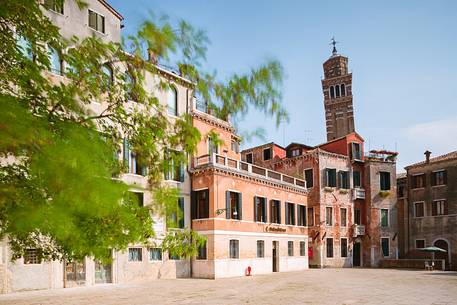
(439, 178)
(419, 210)
(357, 217)
(356, 151)
(176, 218)
(418, 181)
(135, 254)
(173, 169)
(385, 246)
(173, 257)
(337, 91)
(249, 158)
(235, 146)
(420, 243)
(25, 47)
(332, 92)
(266, 154)
(301, 215)
(109, 75)
(439, 207)
(309, 177)
(233, 205)
(56, 62)
(290, 213)
(202, 252)
(155, 254)
(343, 217)
(200, 204)
(303, 248)
(329, 245)
(52, 5)
(260, 248)
(344, 180)
(400, 191)
(234, 249)
(384, 181)
(290, 248)
(260, 209)
(310, 217)
(172, 101)
(132, 162)
(31, 257)
(384, 217)
(344, 247)
(295, 152)
(96, 21)
(212, 147)
(343, 90)
(330, 177)
(356, 179)
(275, 211)
(138, 197)
(328, 216)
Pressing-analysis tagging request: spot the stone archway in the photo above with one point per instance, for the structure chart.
(443, 244)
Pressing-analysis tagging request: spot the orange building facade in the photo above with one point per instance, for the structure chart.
(254, 218)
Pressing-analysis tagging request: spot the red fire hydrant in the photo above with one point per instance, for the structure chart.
(248, 271)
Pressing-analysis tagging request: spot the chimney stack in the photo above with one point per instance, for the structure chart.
(427, 156)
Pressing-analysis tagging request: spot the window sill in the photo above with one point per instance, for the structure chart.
(156, 261)
(55, 13)
(97, 31)
(418, 188)
(438, 186)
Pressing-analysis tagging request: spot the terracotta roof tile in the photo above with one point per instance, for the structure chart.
(449, 156)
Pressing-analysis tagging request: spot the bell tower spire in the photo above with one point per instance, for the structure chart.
(337, 89)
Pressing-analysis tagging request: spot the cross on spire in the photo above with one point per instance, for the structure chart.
(334, 42)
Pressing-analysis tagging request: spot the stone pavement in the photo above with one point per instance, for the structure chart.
(328, 286)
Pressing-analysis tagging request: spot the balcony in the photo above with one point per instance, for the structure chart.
(224, 162)
(359, 230)
(358, 193)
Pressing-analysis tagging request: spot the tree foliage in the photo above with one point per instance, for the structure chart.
(59, 152)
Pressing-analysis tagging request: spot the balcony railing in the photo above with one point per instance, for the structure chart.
(358, 193)
(244, 167)
(359, 230)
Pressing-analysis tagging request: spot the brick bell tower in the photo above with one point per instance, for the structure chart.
(337, 89)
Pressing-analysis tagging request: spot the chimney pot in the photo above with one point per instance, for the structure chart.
(427, 156)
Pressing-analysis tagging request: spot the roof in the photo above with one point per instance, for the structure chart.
(401, 175)
(299, 144)
(449, 156)
(340, 138)
(111, 9)
(263, 145)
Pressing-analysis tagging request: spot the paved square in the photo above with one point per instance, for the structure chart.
(328, 286)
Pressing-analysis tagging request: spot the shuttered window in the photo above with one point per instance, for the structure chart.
(260, 209)
(234, 249)
(260, 248)
(233, 205)
(384, 181)
(330, 177)
(200, 204)
(96, 21)
(301, 215)
(344, 247)
(290, 213)
(329, 247)
(275, 211)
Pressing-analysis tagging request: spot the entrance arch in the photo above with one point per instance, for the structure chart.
(443, 244)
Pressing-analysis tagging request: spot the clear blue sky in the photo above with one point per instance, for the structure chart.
(403, 55)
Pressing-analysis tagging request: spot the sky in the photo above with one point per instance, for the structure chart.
(403, 56)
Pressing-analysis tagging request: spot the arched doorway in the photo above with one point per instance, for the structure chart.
(440, 243)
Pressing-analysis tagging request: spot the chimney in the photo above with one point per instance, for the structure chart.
(152, 57)
(427, 156)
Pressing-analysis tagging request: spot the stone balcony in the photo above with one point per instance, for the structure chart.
(358, 193)
(359, 230)
(224, 162)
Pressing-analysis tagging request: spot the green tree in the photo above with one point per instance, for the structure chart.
(58, 157)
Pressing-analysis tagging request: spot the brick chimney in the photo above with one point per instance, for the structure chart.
(427, 156)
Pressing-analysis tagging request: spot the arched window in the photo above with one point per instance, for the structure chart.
(25, 47)
(337, 87)
(128, 86)
(172, 100)
(343, 90)
(332, 92)
(108, 71)
(56, 62)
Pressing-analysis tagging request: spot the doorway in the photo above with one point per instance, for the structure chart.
(440, 243)
(75, 274)
(275, 256)
(102, 273)
(356, 255)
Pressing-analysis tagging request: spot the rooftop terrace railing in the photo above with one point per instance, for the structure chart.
(244, 167)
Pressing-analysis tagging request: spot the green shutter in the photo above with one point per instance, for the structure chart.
(181, 212)
(279, 211)
(240, 206)
(227, 204)
(193, 205)
(255, 208)
(181, 172)
(287, 213)
(265, 210)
